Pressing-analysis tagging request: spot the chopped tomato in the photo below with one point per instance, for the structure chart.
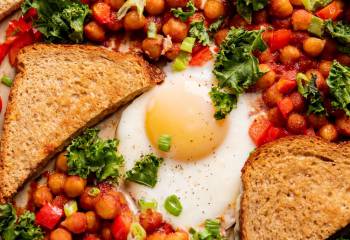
(4, 49)
(285, 85)
(310, 132)
(166, 228)
(331, 11)
(280, 39)
(91, 237)
(258, 130)
(0, 104)
(274, 133)
(201, 57)
(285, 106)
(17, 26)
(101, 12)
(121, 225)
(48, 216)
(23, 40)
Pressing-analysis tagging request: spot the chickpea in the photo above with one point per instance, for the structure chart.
(272, 96)
(106, 233)
(220, 36)
(317, 121)
(60, 234)
(266, 56)
(61, 162)
(151, 220)
(176, 29)
(325, 67)
(298, 101)
(153, 46)
(289, 54)
(344, 59)
(76, 223)
(296, 2)
(343, 125)
(296, 123)
(93, 222)
(177, 236)
(267, 79)
(133, 21)
(275, 117)
(41, 196)
(155, 7)
(115, 4)
(313, 46)
(176, 3)
(214, 9)
(328, 132)
(74, 186)
(87, 201)
(321, 83)
(301, 20)
(56, 182)
(281, 8)
(173, 52)
(94, 32)
(114, 24)
(107, 207)
(157, 236)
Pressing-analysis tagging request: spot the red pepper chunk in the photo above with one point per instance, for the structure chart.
(258, 130)
(101, 12)
(22, 40)
(280, 39)
(274, 133)
(285, 85)
(201, 57)
(285, 106)
(121, 225)
(4, 49)
(48, 216)
(331, 11)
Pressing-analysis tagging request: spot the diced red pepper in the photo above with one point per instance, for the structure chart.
(285, 106)
(280, 39)
(101, 12)
(31, 14)
(4, 49)
(274, 133)
(285, 85)
(0, 104)
(17, 26)
(258, 130)
(121, 225)
(310, 132)
(331, 11)
(201, 57)
(23, 40)
(48, 216)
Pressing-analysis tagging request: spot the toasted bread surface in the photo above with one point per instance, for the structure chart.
(58, 92)
(7, 7)
(295, 188)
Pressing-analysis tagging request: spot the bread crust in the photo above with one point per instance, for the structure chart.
(7, 7)
(141, 78)
(295, 145)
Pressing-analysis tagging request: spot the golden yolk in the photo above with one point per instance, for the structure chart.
(189, 119)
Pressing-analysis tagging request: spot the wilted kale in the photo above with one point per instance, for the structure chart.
(341, 33)
(245, 8)
(89, 154)
(236, 68)
(145, 171)
(307, 88)
(22, 228)
(184, 15)
(199, 31)
(215, 26)
(339, 86)
(59, 20)
(223, 102)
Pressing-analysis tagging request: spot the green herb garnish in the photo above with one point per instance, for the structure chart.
(245, 8)
(199, 31)
(173, 205)
(164, 143)
(184, 15)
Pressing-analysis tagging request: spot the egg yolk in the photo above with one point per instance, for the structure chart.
(189, 119)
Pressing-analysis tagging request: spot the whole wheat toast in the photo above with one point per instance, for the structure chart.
(296, 188)
(7, 7)
(58, 92)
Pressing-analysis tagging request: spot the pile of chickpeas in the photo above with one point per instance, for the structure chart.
(94, 218)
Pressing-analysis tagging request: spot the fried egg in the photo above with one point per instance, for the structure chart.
(203, 166)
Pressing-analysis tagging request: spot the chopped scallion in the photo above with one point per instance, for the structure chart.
(93, 192)
(137, 231)
(173, 205)
(180, 63)
(152, 30)
(187, 44)
(147, 205)
(6, 80)
(164, 143)
(70, 208)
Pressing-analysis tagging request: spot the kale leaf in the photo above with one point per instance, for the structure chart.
(199, 31)
(223, 102)
(23, 228)
(89, 154)
(184, 15)
(339, 86)
(339, 31)
(145, 171)
(307, 88)
(245, 8)
(236, 68)
(215, 26)
(59, 20)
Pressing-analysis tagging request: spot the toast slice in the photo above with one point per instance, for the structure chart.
(58, 92)
(295, 188)
(7, 7)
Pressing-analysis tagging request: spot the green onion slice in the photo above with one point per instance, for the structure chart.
(180, 63)
(7, 80)
(187, 44)
(147, 205)
(173, 205)
(164, 143)
(152, 30)
(70, 208)
(94, 192)
(137, 231)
